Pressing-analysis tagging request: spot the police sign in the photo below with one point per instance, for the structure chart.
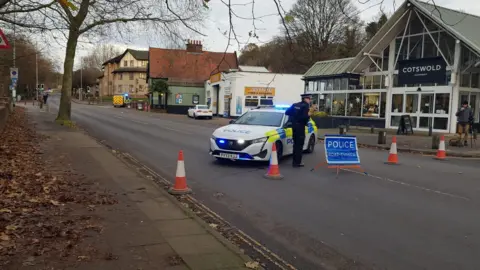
(341, 150)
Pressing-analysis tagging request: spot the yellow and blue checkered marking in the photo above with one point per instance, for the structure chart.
(281, 133)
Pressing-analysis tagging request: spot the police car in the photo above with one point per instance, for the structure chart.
(251, 136)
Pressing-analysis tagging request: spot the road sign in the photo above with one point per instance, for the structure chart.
(3, 41)
(14, 73)
(341, 150)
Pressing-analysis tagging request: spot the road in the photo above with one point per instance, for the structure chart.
(421, 214)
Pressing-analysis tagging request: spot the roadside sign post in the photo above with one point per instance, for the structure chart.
(341, 152)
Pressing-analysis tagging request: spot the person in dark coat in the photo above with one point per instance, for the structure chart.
(464, 120)
(300, 115)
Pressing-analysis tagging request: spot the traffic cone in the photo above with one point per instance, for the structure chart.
(273, 170)
(441, 153)
(180, 186)
(393, 156)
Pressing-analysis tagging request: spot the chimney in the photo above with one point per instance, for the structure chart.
(194, 46)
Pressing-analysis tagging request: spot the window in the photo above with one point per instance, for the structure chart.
(415, 50)
(251, 102)
(371, 102)
(140, 87)
(411, 104)
(261, 118)
(338, 104)
(336, 84)
(354, 104)
(202, 107)
(474, 80)
(130, 75)
(143, 75)
(144, 63)
(442, 103)
(132, 63)
(125, 63)
(120, 76)
(344, 84)
(465, 80)
(120, 88)
(397, 103)
(266, 101)
(131, 88)
(426, 104)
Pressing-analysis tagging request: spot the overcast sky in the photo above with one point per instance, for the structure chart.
(217, 24)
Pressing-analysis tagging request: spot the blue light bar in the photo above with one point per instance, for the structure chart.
(282, 106)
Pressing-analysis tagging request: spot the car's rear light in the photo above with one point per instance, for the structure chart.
(199, 111)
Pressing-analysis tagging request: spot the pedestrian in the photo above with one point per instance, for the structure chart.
(464, 120)
(300, 115)
(45, 97)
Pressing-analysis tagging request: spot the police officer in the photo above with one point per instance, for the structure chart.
(300, 114)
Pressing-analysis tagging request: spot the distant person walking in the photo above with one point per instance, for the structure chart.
(464, 120)
(45, 98)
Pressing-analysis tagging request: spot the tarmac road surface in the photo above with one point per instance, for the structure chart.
(421, 214)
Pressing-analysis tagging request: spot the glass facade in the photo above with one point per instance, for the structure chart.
(428, 104)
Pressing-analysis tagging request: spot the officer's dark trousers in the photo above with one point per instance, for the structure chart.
(298, 141)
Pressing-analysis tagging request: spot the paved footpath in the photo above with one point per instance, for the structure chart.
(148, 228)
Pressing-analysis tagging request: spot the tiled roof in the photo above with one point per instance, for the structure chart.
(139, 55)
(330, 67)
(130, 69)
(180, 65)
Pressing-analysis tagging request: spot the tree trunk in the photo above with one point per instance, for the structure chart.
(65, 109)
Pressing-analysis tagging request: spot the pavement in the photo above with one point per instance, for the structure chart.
(148, 228)
(420, 214)
(410, 143)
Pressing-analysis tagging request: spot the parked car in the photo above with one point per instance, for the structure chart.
(200, 111)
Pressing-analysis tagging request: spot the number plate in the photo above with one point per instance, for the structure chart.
(205, 111)
(227, 155)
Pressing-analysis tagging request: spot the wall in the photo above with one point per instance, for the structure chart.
(187, 93)
(288, 88)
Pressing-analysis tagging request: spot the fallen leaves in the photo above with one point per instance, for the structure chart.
(40, 204)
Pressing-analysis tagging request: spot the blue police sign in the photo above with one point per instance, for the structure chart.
(341, 150)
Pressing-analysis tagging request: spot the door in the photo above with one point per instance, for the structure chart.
(287, 142)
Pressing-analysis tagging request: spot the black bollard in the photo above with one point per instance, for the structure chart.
(382, 137)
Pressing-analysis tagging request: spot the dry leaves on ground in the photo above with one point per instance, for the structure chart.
(39, 210)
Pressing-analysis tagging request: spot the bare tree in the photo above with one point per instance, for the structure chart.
(94, 18)
(100, 55)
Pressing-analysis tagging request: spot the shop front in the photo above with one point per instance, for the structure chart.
(231, 94)
(416, 66)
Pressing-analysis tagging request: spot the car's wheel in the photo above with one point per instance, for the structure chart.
(311, 144)
(210, 117)
(279, 147)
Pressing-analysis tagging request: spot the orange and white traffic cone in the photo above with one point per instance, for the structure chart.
(273, 170)
(441, 153)
(393, 156)
(180, 187)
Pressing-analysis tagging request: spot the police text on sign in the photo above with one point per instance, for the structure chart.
(341, 150)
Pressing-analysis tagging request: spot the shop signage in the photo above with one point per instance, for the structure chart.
(354, 79)
(178, 98)
(195, 99)
(215, 78)
(425, 70)
(259, 91)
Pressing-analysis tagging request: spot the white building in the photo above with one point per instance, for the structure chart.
(230, 94)
(421, 64)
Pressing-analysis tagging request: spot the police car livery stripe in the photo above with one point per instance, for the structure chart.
(281, 133)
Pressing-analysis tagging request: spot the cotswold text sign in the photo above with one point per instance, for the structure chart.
(425, 70)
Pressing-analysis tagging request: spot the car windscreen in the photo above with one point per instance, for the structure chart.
(202, 107)
(260, 118)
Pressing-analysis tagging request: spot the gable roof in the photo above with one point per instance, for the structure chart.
(253, 69)
(139, 55)
(460, 25)
(329, 67)
(182, 66)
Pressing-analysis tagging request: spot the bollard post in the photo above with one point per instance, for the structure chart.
(435, 141)
(372, 129)
(382, 137)
(341, 130)
(430, 130)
